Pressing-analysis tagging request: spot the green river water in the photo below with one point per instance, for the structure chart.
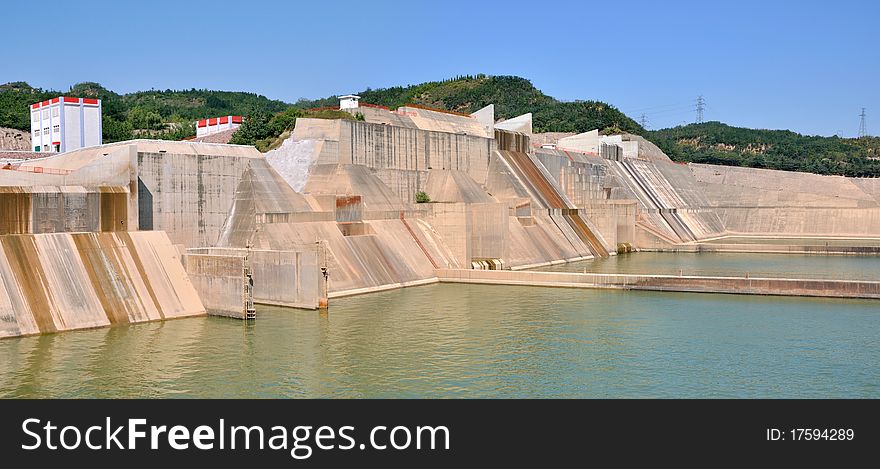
(452, 340)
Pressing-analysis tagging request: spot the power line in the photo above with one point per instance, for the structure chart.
(660, 106)
(863, 127)
(689, 108)
(643, 121)
(701, 106)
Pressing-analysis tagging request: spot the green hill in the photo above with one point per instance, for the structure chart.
(511, 95)
(717, 143)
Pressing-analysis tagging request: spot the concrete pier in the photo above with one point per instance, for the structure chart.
(695, 284)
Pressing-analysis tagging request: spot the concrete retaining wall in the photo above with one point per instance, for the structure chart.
(763, 201)
(188, 196)
(220, 282)
(282, 278)
(62, 209)
(401, 156)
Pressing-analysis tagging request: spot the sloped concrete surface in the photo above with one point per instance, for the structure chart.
(63, 281)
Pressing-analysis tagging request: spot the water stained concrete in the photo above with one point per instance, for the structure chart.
(66, 281)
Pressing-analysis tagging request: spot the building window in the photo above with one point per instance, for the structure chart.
(56, 128)
(55, 111)
(46, 114)
(37, 133)
(46, 131)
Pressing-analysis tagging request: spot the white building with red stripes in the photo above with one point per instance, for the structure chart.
(64, 123)
(217, 124)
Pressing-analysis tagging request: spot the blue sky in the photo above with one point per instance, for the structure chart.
(806, 66)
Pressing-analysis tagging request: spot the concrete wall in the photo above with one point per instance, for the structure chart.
(186, 195)
(615, 219)
(220, 282)
(282, 278)
(582, 178)
(472, 231)
(64, 209)
(59, 282)
(185, 189)
(399, 156)
(761, 201)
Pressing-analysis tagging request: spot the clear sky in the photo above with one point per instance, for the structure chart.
(806, 66)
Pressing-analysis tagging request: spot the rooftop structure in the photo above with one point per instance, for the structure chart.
(349, 101)
(214, 125)
(65, 123)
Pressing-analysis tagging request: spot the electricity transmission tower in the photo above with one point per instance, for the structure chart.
(863, 127)
(701, 106)
(643, 121)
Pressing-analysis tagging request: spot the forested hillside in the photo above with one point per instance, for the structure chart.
(717, 143)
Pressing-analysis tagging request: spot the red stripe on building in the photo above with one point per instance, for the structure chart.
(236, 119)
(203, 123)
(56, 143)
(71, 100)
(55, 100)
(90, 101)
(224, 120)
(45, 103)
(35, 106)
(212, 121)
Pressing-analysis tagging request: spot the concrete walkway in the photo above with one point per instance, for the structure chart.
(698, 284)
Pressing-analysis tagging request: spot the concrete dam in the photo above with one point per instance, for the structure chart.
(148, 230)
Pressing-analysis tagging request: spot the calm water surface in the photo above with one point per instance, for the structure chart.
(474, 341)
(732, 264)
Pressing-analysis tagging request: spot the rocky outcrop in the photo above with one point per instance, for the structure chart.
(13, 139)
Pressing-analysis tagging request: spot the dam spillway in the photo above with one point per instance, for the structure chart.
(340, 197)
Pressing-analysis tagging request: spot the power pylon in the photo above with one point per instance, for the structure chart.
(863, 126)
(643, 121)
(701, 106)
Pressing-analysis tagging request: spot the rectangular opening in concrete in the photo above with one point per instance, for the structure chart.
(355, 229)
(145, 207)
